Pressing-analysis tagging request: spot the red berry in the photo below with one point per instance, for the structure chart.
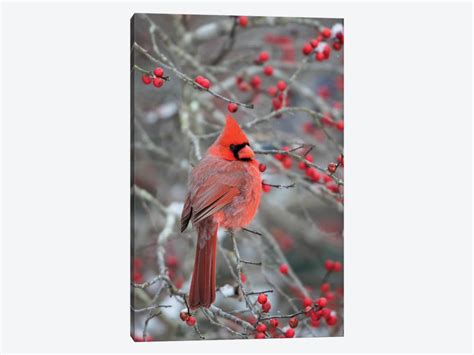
(324, 92)
(158, 72)
(329, 295)
(263, 56)
(244, 87)
(290, 333)
(262, 298)
(310, 172)
(243, 21)
(326, 51)
(266, 307)
(266, 188)
(277, 104)
(326, 119)
(302, 165)
(171, 261)
(137, 277)
(326, 32)
(315, 323)
(158, 82)
(191, 321)
(307, 302)
(332, 167)
(202, 81)
(325, 313)
(340, 160)
(322, 302)
(287, 162)
(337, 266)
(262, 167)
(308, 310)
(331, 320)
(325, 287)
(315, 176)
(340, 37)
(286, 148)
(206, 83)
(274, 322)
(281, 85)
(307, 49)
(184, 316)
(329, 265)
(243, 278)
(272, 91)
(309, 158)
(333, 187)
(316, 315)
(326, 178)
(260, 336)
(232, 107)
(198, 79)
(284, 269)
(340, 125)
(319, 56)
(314, 42)
(261, 328)
(239, 80)
(255, 81)
(337, 46)
(268, 70)
(146, 79)
(279, 156)
(293, 322)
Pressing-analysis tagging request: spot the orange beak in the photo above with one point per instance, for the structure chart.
(246, 153)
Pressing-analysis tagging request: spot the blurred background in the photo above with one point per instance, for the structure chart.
(174, 122)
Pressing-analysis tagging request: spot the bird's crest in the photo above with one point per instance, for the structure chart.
(232, 133)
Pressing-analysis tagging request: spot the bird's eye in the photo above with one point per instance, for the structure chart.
(232, 147)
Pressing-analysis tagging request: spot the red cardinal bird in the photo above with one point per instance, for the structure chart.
(224, 191)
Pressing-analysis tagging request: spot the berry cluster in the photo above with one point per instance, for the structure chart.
(317, 309)
(261, 328)
(157, 78)
(263, 300)
(188, 318)
(326, 120)
(312, 174)
(321, 44)
(279, 100)
(202, 81)
(332, 167)
(331, 266)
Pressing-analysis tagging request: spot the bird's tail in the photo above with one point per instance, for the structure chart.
(203, 284)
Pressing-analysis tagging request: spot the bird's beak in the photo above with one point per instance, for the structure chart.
(246, 153)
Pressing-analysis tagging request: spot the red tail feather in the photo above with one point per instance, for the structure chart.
(203, 284)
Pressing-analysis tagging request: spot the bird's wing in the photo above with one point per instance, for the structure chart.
(211, 195)
(186, 214)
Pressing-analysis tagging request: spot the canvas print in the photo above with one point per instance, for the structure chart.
(237, 177)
